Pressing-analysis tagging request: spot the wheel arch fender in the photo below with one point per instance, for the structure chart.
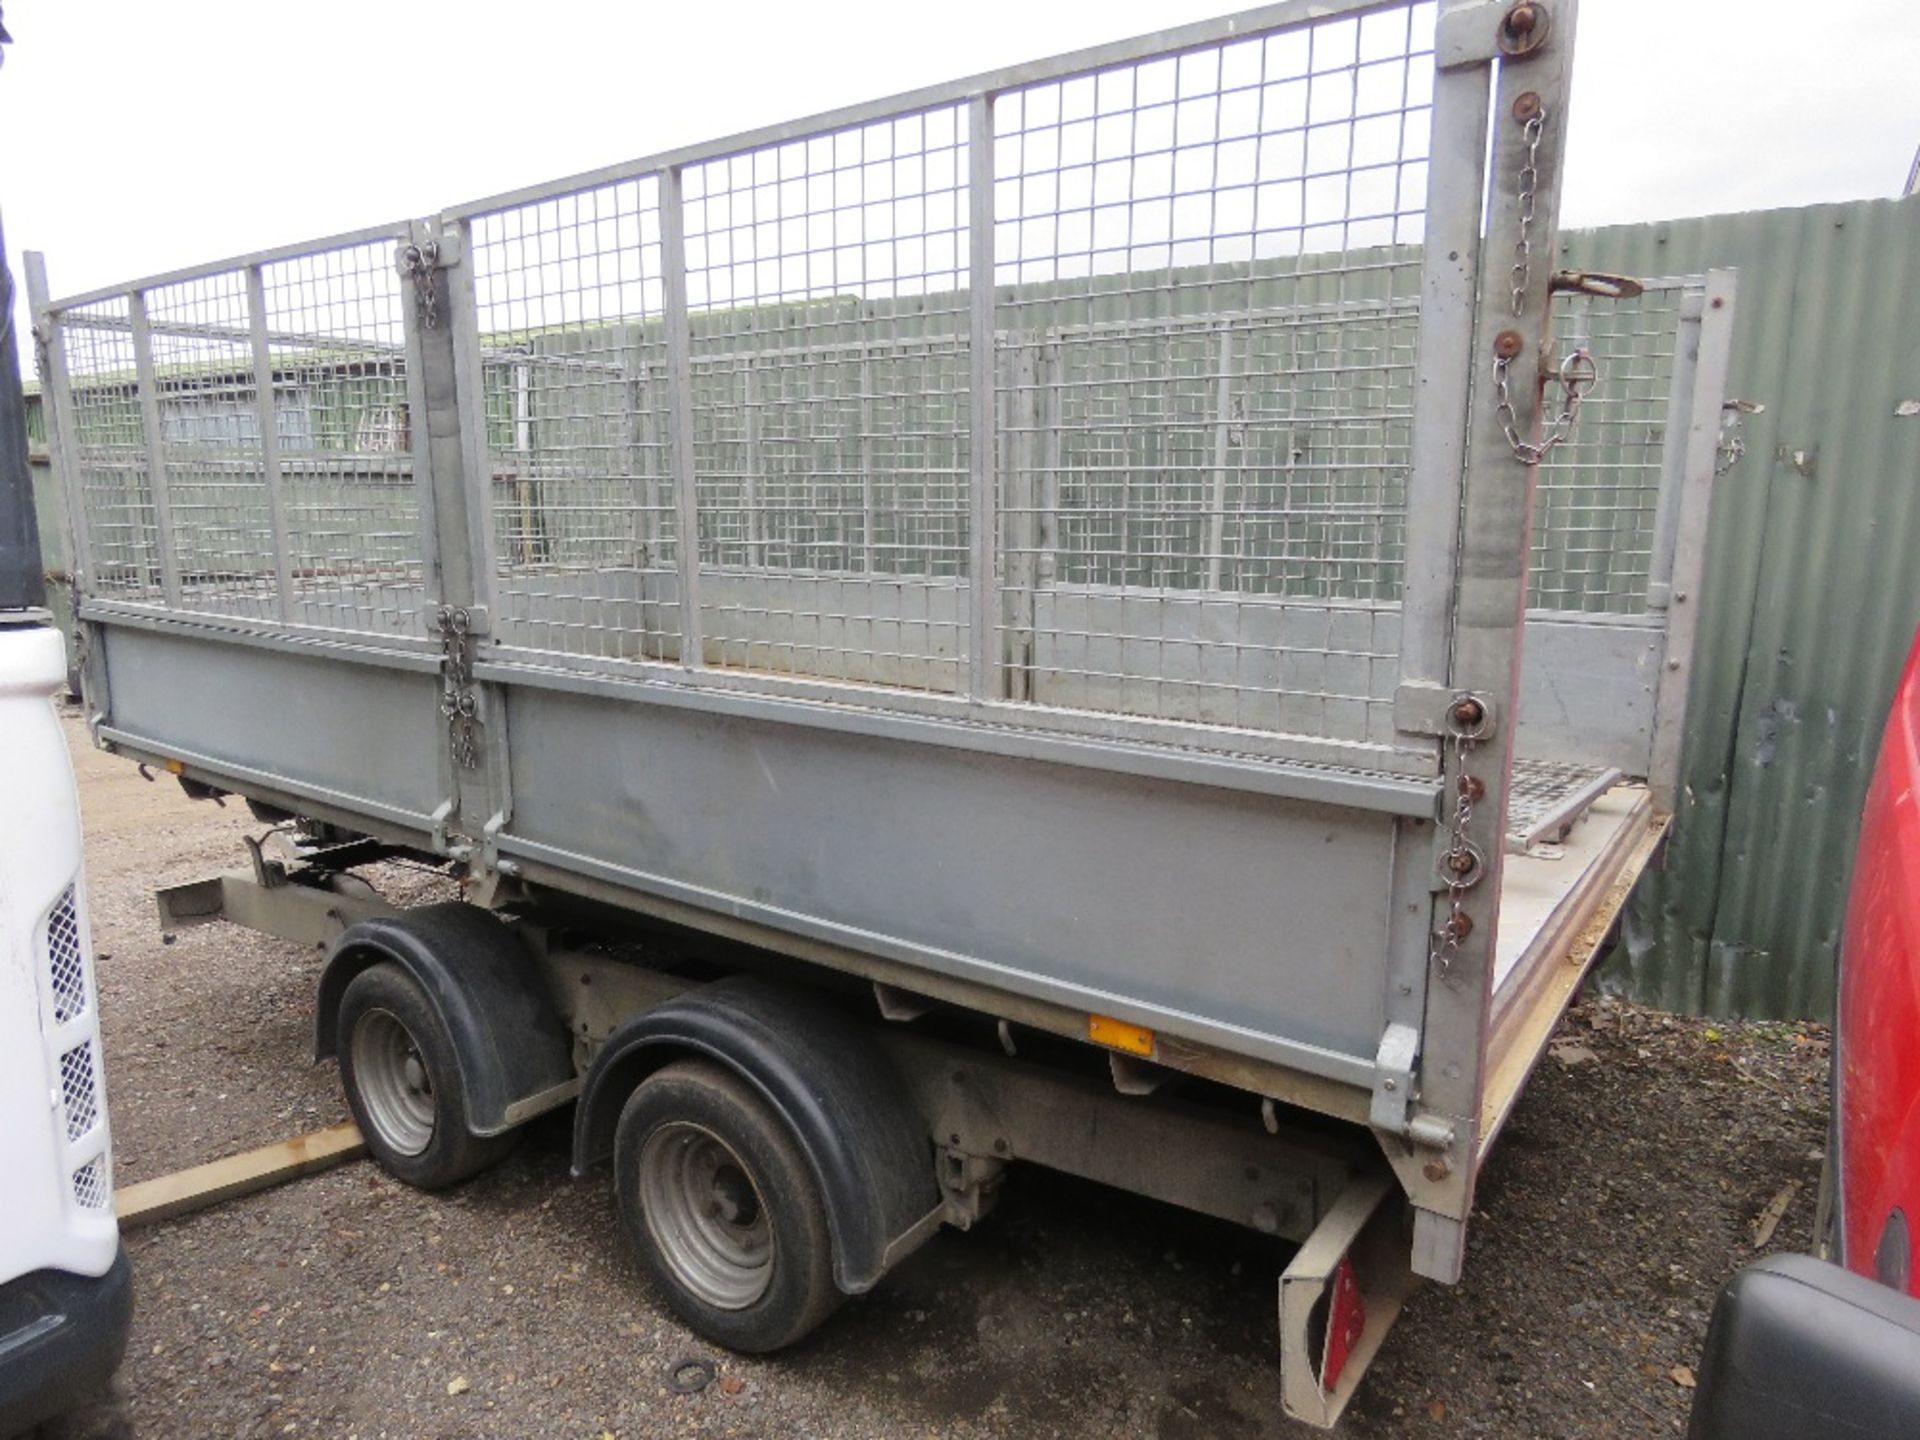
(838, 1095)
(488, 990)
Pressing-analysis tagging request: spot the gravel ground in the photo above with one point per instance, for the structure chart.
(1627, 1187)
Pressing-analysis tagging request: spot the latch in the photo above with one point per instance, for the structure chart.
(1596, 283)
(1392, 1110)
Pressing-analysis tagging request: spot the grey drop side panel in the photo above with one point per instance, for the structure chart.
(356, 731)
(1261, 915)
(1587, 689)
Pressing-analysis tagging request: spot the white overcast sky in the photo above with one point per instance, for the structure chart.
(142, 135)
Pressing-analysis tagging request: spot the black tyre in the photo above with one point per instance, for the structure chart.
(722, 1208)
(403, 1083)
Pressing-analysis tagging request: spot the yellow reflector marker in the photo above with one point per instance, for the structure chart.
(174, 767)
(1117, 1034)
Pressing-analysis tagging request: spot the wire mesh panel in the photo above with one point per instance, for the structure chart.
(1597, 495)
(578, 429)
(110, 455)
(830, 402)
(210, 444)
(344, 436)
(1210, 273)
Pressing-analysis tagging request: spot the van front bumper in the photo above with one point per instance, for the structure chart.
(61, 1338)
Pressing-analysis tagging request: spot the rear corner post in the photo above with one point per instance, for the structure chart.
(1465, 615)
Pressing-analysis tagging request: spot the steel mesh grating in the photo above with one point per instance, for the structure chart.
(344, 432)
(211, 458)
(79, 1090)
(1212, 270)
(110, 454)
(578, 434)
(825, 282)
(66, 960)
(1544, 793)
(1596, 496)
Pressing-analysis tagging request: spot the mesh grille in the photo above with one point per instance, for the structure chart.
(79, 1089)
(66, 966)
(90, 1189)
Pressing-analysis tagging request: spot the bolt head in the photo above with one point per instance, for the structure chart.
(1437, 1170)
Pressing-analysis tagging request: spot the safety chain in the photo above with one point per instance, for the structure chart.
(1529, 184)
(421, 261)
(1462, 865)
(457, 701)
(1579, 372)
(43, 356)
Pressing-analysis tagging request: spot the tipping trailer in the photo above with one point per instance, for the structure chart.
(1117, 614)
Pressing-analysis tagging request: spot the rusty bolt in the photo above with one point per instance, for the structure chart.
(1473, 787)
(1508, 343)
(1459, 927)
(1460, 862)
(1526, 106)
(1521, 20)
(1437, 1170)
(1467, 712)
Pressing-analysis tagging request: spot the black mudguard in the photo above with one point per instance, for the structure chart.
(821, 1073)
(491, 994)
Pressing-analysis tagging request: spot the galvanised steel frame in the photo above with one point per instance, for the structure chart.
(1040, 818)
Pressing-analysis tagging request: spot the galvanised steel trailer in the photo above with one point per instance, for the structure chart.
(1079, 612)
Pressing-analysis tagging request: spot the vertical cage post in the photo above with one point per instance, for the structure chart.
(1490, 593)
(1687, 557)
(1449, 281)
(1216, 533)
(469, 397)
(271, 469)
(1673, 453)
(61, 433)
(985, 673)
(154, 434)
(673, 260)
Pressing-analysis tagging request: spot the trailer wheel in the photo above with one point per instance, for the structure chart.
(403, 1083)
(723, 1209)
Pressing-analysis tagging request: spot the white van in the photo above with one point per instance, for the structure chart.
(65, 1286)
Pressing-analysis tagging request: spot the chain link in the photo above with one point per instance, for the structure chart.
(1529, 183)
(1463, 863)
(421, 261)
(1579, 373)
(458, 704)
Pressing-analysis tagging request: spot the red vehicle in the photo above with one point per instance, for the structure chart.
(1799, 1348)
(1876, 1073)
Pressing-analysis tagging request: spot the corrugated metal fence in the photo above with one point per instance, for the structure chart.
(1812, 591)
(1812, 597)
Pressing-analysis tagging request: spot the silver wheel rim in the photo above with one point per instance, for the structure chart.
(706, 1216)
(391, 1075)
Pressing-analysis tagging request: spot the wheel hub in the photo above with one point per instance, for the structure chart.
(705, 1215)
(391, 1078)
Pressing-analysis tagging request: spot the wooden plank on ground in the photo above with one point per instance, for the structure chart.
(185, 1191)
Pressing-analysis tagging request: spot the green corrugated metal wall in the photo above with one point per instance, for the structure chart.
(1812, 598)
